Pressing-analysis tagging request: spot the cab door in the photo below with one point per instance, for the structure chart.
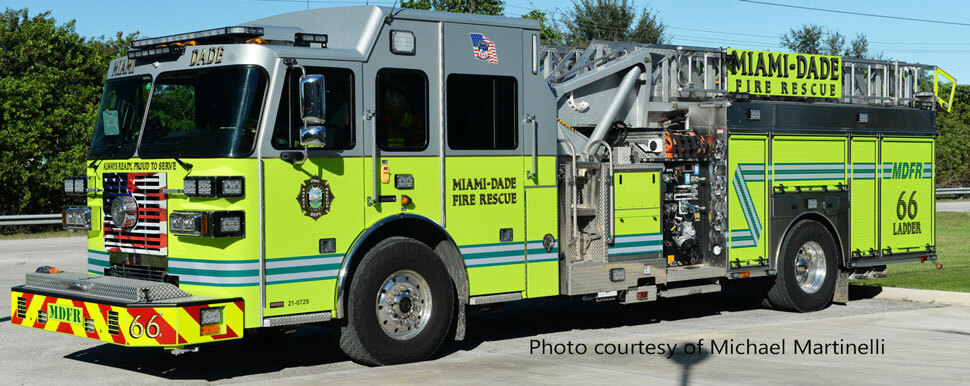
(312, 209)
(403, 126)
(485, 172)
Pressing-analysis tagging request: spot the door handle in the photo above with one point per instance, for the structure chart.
(373, 198)
(530, 174)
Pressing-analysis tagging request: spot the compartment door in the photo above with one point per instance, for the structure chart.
(747, 213)
(907, 201)
(863, 197)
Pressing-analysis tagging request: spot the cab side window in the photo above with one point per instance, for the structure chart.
(402, 110)
(482, 112)
(340, 121)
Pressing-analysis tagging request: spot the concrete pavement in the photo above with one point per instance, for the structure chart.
(923, 343)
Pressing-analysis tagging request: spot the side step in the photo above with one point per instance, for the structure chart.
(694, 290)
(695, 272)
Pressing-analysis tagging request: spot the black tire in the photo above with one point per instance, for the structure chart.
(786, 293)
(361, 336)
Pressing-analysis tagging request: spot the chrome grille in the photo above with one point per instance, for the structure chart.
(150, 234)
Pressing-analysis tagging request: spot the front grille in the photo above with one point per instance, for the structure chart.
(21, 307)
(150, 234)
(113, 323)
(142, 272)
(42, 316)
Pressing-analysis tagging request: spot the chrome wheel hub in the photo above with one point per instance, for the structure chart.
(124, 212)
(403, 305)
(810, 267)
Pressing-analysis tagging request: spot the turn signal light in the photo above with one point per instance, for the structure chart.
(405, 200)
(209, 329)
(745, 274)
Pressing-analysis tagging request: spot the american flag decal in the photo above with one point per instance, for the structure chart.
(483, 48)
(150, 234)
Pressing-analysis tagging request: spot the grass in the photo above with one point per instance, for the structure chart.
(953, 250)
(43, 235)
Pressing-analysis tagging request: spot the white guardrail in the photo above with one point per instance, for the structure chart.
(30, 219)
(952, 191)
(37, 219)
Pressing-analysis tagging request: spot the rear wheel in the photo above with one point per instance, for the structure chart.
(400, 304)
(807, 269)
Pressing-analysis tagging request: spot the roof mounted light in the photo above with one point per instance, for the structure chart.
(304, 39)
(151, 53)
(223, 34)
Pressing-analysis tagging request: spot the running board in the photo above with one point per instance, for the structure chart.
(496, 298)
(675, 274)
(289, 320)
(685, 291)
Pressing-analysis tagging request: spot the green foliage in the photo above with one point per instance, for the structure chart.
(953, 143)
(50, 84)
(480, 7)
(548, 33)
(815, 39)
(610, 20)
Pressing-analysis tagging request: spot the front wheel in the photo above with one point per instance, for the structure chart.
(400, 304)
(807, 269)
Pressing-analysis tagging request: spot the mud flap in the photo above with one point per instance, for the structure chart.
(841, 294)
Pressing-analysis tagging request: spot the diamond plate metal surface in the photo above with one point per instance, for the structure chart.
(106, 287)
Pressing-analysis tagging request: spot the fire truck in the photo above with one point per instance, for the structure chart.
(384, 170)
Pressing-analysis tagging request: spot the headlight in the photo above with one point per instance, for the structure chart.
(212, 224)
(77, 217)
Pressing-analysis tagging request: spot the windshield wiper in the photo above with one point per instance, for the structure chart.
(185, 165)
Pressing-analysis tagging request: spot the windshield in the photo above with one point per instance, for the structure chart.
(119, 117)
(208, 113)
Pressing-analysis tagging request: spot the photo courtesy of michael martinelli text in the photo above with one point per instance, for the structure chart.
(711, 346)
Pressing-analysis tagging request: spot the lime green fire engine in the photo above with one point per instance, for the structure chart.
(383, 170)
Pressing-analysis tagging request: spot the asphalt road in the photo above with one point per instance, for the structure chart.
(921, 343)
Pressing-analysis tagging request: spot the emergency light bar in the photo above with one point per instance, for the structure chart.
(237, 32)
(156, 52)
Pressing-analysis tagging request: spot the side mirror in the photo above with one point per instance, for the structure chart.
(313, 136)
(313, 99)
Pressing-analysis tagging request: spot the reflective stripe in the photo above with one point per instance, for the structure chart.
(494, 260)
(320, 275)
(206, 280)
(303, 262)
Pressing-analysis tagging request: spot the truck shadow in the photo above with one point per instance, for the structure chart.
(314, 345)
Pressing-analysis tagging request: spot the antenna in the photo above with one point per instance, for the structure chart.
(391, 17)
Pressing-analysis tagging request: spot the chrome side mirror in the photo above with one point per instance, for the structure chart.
(313, 136)
(313, 103)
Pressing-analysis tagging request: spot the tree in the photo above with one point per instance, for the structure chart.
(50, 84)
(548, 33)
(610, 20)
(953, 144)
(815, 39)
(481, 7)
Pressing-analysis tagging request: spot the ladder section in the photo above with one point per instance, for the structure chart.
(582, 76)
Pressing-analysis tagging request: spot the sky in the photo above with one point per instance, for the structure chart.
(706, 23)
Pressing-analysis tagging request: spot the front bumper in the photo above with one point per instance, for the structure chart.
(170, 323)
